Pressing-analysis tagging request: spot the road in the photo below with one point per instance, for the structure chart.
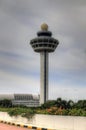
(10, 127)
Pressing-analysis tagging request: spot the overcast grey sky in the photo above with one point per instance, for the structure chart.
(20, 65)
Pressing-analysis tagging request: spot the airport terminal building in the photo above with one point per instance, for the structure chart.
(28, 100)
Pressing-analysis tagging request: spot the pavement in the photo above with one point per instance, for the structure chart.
(10, 127)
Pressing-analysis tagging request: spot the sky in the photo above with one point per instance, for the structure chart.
(20, 65)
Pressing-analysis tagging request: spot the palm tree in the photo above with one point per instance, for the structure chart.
(58, 102)
(70, 104)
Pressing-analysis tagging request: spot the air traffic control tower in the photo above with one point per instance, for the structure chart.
(44, 43)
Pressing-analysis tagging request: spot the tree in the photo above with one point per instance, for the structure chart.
(81, 104)
(70, 104)
(48, 104)
(5, 103)
(58, 102)
(61, 103)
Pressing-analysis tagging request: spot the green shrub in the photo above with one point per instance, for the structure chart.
(24, 112)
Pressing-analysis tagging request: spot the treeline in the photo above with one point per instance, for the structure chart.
(63, 107)
(52, 107)
(59, 103)
(63, 104)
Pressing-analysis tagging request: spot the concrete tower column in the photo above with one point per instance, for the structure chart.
(43, 77)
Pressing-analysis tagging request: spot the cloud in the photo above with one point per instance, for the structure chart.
(18, 84)
(67, 92)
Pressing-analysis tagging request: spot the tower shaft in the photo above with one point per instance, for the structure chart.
(44, 77)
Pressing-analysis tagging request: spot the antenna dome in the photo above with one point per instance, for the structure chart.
(44, 27)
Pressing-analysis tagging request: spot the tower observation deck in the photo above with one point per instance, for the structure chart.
(44, 43)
